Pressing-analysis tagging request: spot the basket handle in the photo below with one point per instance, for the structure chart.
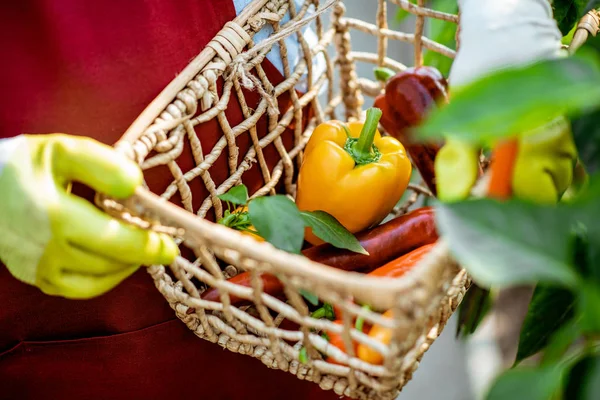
(589, 24)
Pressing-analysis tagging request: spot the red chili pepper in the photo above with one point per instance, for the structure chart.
(408, 96)
(383, 243)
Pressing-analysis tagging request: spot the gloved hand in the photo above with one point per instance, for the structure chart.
(60, 242)
(519, 32)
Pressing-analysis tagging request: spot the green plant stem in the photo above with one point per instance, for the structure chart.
(319, 313)
(360, 321)
(362, 150)
(383, 74)
(367, 134)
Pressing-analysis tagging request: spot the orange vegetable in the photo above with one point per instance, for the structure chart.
(337, 340)
(379, 333)
(401, 265)
(502, 167)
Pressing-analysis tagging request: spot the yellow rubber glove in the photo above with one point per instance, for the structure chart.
(545, 161)
(456, 170)
(60, 242)
(543, 166)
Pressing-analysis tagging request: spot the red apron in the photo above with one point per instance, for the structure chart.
(90, 68)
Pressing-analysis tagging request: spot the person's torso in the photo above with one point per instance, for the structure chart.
(90, 68)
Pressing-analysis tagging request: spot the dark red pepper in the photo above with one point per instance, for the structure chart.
(384, 243)
(409, 96)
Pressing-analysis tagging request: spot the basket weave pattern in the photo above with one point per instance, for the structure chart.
(226, 69)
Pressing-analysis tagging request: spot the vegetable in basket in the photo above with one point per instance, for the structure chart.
(382, 335)
(383, 243)
(393, 269)
(352, 173)
(336, 339)
(277, 220)
(401, 265)
(408, 96)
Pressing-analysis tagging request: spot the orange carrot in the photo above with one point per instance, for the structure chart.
(502, 166)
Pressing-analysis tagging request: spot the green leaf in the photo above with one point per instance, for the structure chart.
(586, 133)
(489, 108)
(328, 229)
(528, 383)
(277, 219)
(442, 32)
(560, 342)
(550, 309)
(589, 307)
(583, 381)
(566, 14)
(310, 297)
(474, 307)
(587, 230)
(508, 243)
(402, 14)
(591, 4)
(237, 195)
(360, 321)
(303, 355)
(324, 312)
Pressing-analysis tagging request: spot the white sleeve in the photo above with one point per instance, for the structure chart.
(294, 50)
(7, 148)
(496, 34)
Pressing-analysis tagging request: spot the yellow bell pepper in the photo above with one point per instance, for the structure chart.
(352, 173)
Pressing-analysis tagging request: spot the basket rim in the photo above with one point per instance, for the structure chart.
(380, 292)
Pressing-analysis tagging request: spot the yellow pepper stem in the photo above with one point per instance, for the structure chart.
(362, 150)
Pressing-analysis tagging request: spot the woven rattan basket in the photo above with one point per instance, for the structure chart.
(422, 301)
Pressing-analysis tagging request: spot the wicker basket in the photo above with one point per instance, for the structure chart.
(422, 301)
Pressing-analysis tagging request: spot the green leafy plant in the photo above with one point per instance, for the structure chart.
(554, 247)
(442, 32)
(278, 220)
(567, 13)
